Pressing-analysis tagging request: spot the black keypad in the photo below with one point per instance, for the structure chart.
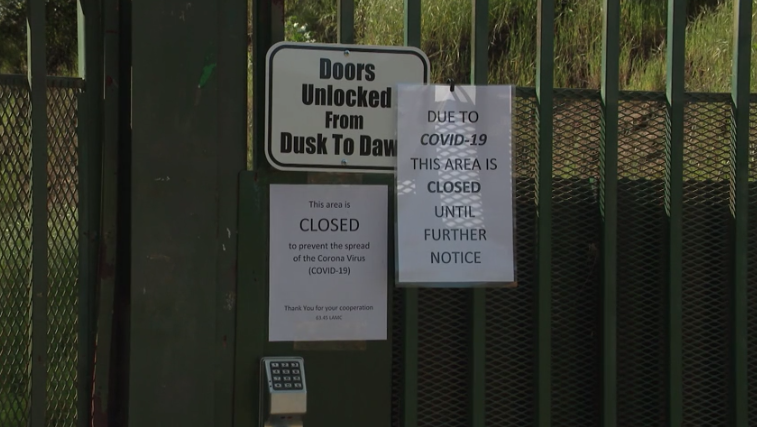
(286, 376)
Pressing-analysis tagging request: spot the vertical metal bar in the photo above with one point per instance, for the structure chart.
(346, 21)
(410, 328)
(268, 28)
(410, 382)
(118, 398)
(479, 76)
(231, 160)
(413, 23)
(90, 155)
(544, 97)
(37, 83)
(674, 201)
(608, 206)
(742, 45)
(480, 43)
(107, 258)
(276, 8)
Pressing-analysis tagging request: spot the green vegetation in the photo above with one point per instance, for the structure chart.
(446, 40)
(447, 26)
(61, 35)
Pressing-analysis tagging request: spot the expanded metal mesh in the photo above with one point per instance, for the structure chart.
(705, 262)
(576, 325)
(443, 355)
(642, 235)
(752, 262)
(641, 344)
(15, 252)
(510, 344)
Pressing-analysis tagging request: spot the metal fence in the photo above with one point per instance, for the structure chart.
(636, 253)
(60, 328)
(444, 320)
(443, 317)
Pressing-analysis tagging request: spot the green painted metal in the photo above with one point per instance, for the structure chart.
(190, 311)
(252, 207)
(740, 126)
(479, 76)
(268, 18)
(674, 204)
(608, 205)
(410, 359)
(412, 37)
(330, 369)
(40, 282)
(346, 21)
(91, 65)
(412, 27)
(187, 148)
(109, 226)
(544, 96)
(232, 128)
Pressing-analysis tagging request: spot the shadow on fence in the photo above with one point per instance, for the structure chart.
(15, 251)
(511, 352)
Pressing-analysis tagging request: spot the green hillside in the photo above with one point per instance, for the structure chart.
(446, 39)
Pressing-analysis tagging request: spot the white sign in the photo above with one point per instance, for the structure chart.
(328, 263)
(455, 185)
(332, 107)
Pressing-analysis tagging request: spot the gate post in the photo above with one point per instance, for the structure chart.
(188, 146)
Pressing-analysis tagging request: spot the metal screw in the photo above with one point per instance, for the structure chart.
(346, 52)
(344, 161)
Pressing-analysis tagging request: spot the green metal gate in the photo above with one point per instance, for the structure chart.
(634, 253)
(50, 232)
(636, 241)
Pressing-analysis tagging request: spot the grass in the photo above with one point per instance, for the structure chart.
(446, 40)
(446, 27)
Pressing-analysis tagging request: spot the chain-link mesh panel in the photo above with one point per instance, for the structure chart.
(705, 262)
(62, 308)
(15, 253)
(510, 344)
(443, 357)
(576, 325)
(641, 345)
(752, 263)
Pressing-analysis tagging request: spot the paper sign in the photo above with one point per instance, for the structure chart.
(328, 263)
(454, 185)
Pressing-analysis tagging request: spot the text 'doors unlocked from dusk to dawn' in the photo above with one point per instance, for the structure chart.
(454, 185)
(328, 262)
(336, 109)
